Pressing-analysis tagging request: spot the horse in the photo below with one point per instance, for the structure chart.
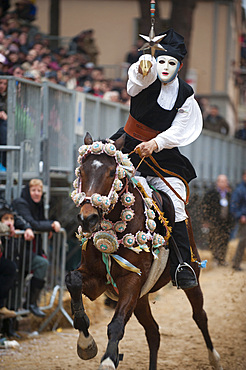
(118, 250)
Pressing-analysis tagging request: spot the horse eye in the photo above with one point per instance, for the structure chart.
(112, 173)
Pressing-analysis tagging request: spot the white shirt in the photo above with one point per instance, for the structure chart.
(187, 124)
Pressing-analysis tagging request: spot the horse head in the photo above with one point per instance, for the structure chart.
(96, 175)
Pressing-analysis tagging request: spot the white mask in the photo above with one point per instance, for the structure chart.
(167, 68)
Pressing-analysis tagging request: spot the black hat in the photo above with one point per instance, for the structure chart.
(174, 44)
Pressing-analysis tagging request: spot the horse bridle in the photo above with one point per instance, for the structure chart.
(123, 167)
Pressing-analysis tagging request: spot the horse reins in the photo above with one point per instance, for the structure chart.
(163, 178)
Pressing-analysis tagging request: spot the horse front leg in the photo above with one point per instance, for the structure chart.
(116, 328)
(195, 297)
(86, 346)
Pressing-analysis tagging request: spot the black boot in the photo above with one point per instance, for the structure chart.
(185, 277)
(9, 327)
(182, 273)
(36, 287)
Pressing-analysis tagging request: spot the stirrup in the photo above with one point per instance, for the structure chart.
(183, 264)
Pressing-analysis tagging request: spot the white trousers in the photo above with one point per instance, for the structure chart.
(179, 187)
(158, 184)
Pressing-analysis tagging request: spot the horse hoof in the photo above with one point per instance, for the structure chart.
(86, 347)
(107, 365)
(214, 359)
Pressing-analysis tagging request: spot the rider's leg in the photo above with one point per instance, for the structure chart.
(180, 234)
(183, 275)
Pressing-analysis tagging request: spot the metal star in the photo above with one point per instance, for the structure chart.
(152, 42)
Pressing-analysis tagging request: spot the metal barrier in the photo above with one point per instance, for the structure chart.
(13, 161)
(212, 155)
(51, 122)
(20, 251)
(58, 127)
(25, 122)
(102, 118)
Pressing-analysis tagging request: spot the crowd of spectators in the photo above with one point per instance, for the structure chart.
(19, 257)
(25, 52)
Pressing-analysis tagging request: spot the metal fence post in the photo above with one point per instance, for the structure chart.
(59, 286)
(10, 136)
(45, 158)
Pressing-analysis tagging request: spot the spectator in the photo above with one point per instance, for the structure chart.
(204, 105)
(113, 96)
(97, 74)
(23, 42)
(72, 78)
(133, 55)
(24, 50)
(125, 98)
(52, 77)
(84, 43)
(19, 221)
(31, 207)
(3, 61)
(238, 209)
(241, 133)
(216, 123)
(97, 89)
(7, 278)
(13, 260)
(25, 10)
(29, 75)
(88, 86)
(217, 218)
(4, 7)
(17, 71)
(90, 46)
(83, 75)
(38, 264)
(13, 58)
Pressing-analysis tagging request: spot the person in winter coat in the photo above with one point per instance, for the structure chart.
(238, 209)
(31, 207)
(11, 257)
(218, 218)
(7, 279)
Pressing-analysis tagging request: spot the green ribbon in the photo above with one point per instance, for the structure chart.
(105, 258)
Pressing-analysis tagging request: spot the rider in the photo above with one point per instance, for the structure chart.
(164, 115)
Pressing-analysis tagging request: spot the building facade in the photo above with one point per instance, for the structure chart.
(214, 55)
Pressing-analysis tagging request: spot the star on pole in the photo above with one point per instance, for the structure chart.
(152, 41)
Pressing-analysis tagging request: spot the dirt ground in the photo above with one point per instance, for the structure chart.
(182, 346)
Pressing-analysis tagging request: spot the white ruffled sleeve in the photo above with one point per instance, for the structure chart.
(136, 82)
(186, 127)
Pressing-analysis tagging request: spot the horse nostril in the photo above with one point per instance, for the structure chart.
(88, 223)
(93, 220)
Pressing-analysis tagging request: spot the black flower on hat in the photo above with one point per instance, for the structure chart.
(174, 45)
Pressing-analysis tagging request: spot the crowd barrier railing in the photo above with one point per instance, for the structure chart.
(52, 120)
(11, 175)
(20, 251)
